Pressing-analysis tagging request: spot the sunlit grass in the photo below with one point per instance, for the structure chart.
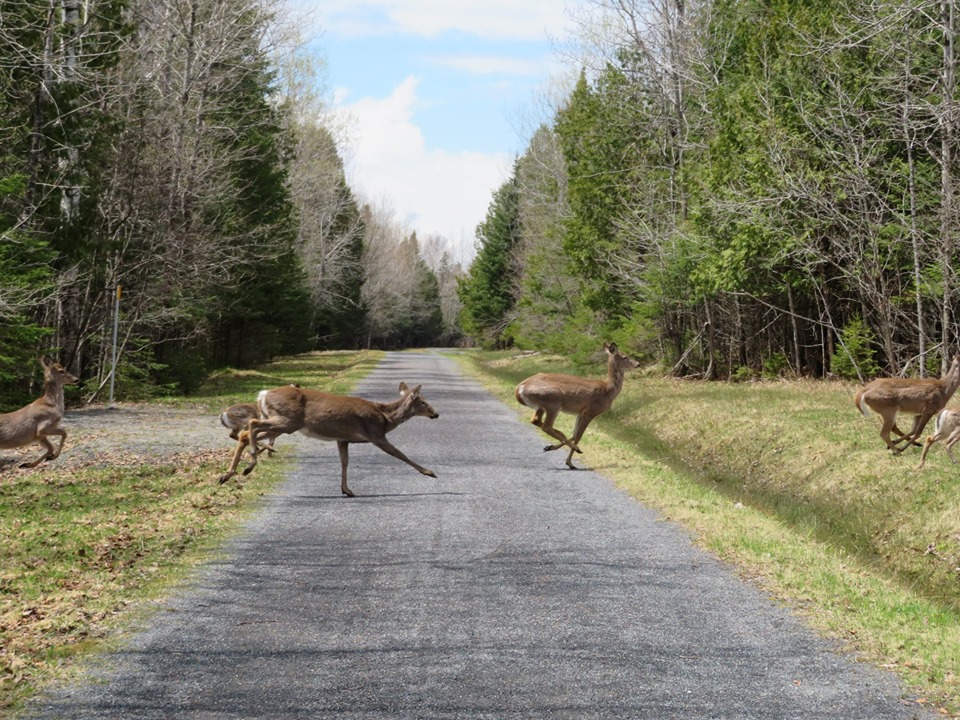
(786, 481)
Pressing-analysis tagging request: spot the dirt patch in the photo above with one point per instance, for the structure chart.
(131, 433)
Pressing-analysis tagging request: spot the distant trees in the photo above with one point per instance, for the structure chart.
(177, 149)
(745, 188)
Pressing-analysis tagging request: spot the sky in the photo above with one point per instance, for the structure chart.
(436, 97)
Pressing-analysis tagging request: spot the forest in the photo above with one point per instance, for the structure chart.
(727, 189)
(739, 189)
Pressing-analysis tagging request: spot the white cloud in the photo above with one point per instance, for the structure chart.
(496, 64)
(493, 19)
(433, 192)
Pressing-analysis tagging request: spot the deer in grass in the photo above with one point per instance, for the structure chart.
(946, 425)
(39, 420)
(922, 398)
(552, 393)
(343, 419)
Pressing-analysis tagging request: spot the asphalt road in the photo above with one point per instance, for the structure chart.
(508, 587)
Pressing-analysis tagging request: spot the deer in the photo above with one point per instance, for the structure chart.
(39, 420)
(236, 418)
(552, 393)
(946, 425)
(921, 397)
(343, 419)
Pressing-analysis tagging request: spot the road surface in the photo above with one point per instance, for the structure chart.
(508, 587)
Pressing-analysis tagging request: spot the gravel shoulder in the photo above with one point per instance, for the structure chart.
(130, 433)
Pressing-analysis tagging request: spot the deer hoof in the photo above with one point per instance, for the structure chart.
(347, 493)
(430, 473)
(225, 477)
(249, 469)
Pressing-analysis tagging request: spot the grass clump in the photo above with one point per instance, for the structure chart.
(790, 484)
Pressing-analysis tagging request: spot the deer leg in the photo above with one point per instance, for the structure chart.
(344, 449)
(885, 432)
(237, 454)
(926, 448)
(385, 445)
(919, 423)
(48, 455)
(951, 441)
(271, 427)
(63, 438)
(579, 427)
(549, 429)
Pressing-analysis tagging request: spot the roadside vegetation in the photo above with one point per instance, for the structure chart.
(790, 484)
(89, 548)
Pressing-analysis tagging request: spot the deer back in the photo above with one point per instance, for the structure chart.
(325, 416)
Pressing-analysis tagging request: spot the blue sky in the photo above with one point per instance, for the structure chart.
(437, 98)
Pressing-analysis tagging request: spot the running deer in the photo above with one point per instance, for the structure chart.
(550, 394)
(236, 418)
(946, 425)
(343, 419)
(39, 420)
(922, 398)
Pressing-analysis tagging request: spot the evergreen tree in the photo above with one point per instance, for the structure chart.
(487, 291)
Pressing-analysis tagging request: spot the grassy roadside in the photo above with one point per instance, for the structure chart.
(789, 484)
(89, 548)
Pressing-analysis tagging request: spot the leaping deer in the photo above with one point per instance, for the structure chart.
(343, 419)
(236, 418)
(921, 397)
(552, 393)
(40, 419)
(946, 425)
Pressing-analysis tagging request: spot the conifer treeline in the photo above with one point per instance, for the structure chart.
(739, 187)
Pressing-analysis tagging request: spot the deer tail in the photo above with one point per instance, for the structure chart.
(938, 422)
(518, 394)
(262, 403)
(861, 404)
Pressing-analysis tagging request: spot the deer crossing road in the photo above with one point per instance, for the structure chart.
(508, 587)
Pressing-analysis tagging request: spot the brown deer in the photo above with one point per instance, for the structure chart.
(922, 398)
(551, 393)
(946, 425)
(40, 419)
(236, 418)
(343, 419)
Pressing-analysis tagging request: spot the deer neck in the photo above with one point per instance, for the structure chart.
(951, 381)
(53, 393)
(614, 381)
(396, 412)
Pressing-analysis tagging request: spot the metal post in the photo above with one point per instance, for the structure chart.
(116, 323)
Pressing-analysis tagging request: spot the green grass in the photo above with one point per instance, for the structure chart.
(87, 548)
(787, 482)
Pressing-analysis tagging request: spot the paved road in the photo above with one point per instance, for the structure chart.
(509, 587)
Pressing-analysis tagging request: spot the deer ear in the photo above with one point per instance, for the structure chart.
(611, 348)
(403, 388)
(45, 361)
(416, 390)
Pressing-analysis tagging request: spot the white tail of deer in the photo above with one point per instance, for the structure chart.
(343, 419)
(946, 425)
(551, 393)
(922, 398)
(39, 420)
